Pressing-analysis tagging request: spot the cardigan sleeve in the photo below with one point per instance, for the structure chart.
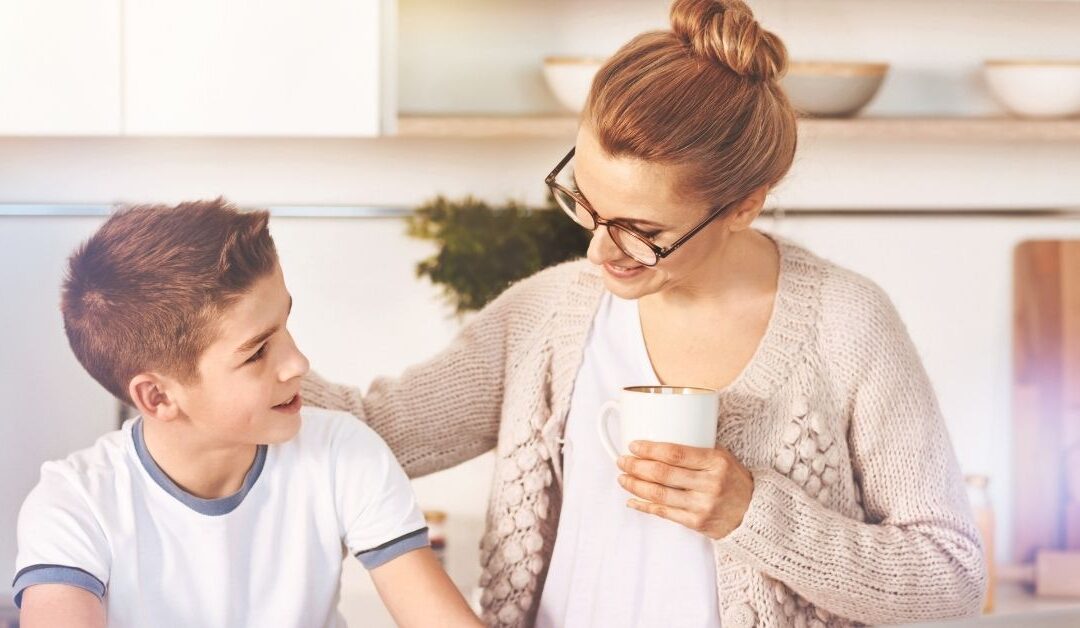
(447, 410)
(917, 555)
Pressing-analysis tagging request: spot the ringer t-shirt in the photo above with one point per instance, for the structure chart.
(107, 519)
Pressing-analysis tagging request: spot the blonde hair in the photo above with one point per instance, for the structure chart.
(703, 96)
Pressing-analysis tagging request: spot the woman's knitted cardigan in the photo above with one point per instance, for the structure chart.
(859, 513)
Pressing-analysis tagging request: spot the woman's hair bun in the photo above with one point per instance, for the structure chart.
(726, 32)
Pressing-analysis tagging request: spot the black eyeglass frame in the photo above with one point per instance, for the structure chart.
(658, 251)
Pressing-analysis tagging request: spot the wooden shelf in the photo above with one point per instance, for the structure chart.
(955, 128)
(487, 126)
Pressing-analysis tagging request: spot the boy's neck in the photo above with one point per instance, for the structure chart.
(203, 469)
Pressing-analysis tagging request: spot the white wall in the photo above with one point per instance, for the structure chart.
(51, 407)
(828, 173)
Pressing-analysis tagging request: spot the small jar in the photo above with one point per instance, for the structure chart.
(436, 523)
(984, 520)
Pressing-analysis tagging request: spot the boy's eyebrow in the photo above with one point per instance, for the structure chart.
(625, 221)
(258, 340)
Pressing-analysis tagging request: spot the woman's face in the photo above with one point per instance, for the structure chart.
(644, 196)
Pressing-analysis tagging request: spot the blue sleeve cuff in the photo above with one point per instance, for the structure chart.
(390, 550)
(55, 574)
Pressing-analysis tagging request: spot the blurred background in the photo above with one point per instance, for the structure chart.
(940, 136)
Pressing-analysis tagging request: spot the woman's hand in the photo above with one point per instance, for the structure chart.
(706, 490)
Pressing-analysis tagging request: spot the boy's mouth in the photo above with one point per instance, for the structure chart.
(291, 406)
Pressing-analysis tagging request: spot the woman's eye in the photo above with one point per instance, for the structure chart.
(257, 355)
(651, 234)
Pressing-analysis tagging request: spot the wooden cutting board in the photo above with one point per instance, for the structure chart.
(1046, 397)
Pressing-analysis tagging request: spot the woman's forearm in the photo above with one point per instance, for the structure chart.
(867, 572)
(447, 410)
(425, 425)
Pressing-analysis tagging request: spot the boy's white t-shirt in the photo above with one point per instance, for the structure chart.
(108, 520)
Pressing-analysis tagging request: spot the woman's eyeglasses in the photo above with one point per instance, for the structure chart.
(635, 245)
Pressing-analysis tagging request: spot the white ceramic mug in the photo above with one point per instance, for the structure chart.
(665, 414)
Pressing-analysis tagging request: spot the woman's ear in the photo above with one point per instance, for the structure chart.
(748, 209)
(150, 394)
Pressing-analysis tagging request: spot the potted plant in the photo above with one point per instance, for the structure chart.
(483, 249)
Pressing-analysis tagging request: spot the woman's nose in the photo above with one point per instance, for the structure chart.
(602, 248)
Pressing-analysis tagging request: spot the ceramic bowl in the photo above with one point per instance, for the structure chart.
(570, 79)
(832, 88)
(1035, 88)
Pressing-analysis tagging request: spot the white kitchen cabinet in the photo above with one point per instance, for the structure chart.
(60, 67)
(255, 67)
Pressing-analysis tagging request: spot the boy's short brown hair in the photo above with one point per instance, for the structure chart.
(145, 291)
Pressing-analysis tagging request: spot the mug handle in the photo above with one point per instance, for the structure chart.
(606, 411)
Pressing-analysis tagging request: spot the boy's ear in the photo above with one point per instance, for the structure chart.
(150, 394)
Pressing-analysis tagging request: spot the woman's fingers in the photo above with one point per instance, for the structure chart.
(666, 474)
(658, 493)
(696, 458)
(691, 520)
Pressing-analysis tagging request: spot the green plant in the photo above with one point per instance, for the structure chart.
(483, 249)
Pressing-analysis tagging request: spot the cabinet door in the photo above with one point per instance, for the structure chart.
(59, 67)
(252, 67)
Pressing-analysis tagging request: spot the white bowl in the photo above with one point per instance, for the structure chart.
(570, 79)
(1035, 89)
(832, 88)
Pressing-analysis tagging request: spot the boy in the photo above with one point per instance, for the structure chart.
(225, 503)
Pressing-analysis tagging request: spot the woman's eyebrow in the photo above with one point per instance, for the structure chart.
(625, 221)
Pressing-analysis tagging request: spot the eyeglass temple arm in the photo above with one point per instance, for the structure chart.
(662, 253)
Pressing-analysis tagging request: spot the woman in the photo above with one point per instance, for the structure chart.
(832, 496)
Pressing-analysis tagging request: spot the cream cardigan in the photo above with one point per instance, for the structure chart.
(859, 513)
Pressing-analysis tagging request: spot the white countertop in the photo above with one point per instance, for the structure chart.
(1015, 605)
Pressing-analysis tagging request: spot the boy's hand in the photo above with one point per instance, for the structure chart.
(419, 594)
(51, 605)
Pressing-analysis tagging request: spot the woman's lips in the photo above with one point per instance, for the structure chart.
(291, 406)
(621, 272)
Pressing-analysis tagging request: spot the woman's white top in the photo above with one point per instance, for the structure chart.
(612, 565)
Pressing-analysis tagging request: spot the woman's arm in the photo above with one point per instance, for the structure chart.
(918, 554)
(446, 410)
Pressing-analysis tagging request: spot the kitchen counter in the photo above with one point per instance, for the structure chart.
(1016, 606)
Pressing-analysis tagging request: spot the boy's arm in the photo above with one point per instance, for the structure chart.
(63, 561)
(382, 525)
(417, 592)
(50, 605)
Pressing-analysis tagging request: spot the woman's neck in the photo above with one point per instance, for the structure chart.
(205, 470)
(747, 267)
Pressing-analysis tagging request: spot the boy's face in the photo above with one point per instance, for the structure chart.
(248, 391)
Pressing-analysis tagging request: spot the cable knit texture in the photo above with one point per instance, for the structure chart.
(858, 515)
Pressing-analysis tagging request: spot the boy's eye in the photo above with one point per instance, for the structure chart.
(255, 357)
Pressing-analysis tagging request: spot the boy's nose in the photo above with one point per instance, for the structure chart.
(296, 365)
